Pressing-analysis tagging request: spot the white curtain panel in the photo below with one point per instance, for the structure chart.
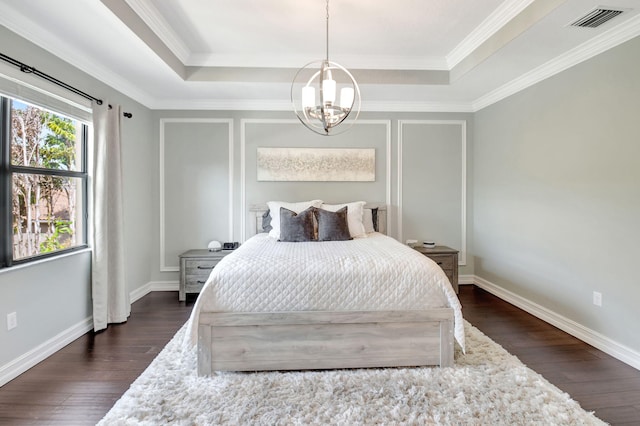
(111, 302)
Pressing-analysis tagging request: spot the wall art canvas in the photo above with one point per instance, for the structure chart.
(317, 164)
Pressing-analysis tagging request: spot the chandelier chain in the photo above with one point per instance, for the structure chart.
(327, 30)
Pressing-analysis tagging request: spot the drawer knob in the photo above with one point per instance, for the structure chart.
(205, 267)
(439, 263)
(201, 282)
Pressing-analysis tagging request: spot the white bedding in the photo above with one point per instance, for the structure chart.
(376, 273)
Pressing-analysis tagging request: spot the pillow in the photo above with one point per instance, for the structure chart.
(354, 216)
(367, 220)
(274, 208)
(296, 227)
(266, 222)
(332, 226)
(374, 214)
(370, 220)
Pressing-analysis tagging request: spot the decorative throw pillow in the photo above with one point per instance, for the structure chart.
(374, 216)
(266, 222)
(333, 226)
(368, 216)
(354, 216)
(274, 208)
(296, 227)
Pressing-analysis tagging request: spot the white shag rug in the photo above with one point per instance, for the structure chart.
(487, 386)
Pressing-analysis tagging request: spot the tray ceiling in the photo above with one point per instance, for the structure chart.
(407, 55)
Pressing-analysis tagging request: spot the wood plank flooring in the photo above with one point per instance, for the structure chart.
(80, 383)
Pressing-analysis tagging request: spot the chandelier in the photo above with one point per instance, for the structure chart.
(314, 93)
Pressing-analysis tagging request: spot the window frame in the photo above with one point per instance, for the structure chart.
(7, 170)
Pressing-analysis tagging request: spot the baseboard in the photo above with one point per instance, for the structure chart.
(140, 292)
(165, 285)
(595, 339)
(466, 279)
(27, 360)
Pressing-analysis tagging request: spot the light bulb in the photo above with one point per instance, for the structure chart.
(308, 97)
(329, 91)
(346, 97)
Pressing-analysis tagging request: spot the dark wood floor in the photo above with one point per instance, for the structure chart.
(80, 383)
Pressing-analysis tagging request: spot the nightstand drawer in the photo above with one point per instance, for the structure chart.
(445, 261)
(194, 283)
(200, 267)
(195, 268)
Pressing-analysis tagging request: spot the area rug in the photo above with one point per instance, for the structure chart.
(487, 386)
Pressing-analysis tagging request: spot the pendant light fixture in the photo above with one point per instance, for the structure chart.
(324, 94)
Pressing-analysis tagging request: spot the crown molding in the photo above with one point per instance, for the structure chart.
(282, 105)
(222, 104)
(494, 22)
(597, 45)
(152, 17)
(399, 106)
(268, 60)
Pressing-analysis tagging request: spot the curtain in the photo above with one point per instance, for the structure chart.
(111, 302)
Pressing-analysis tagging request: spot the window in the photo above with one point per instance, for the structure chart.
(44, 182)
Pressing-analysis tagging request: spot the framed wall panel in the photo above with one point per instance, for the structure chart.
(432, 182)
(196, 185)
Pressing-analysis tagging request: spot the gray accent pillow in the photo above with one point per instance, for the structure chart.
(332, 226)
(297, 227)
(266, 221)
(374, 215)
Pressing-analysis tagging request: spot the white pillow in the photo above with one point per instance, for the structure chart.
(367, 220)
(274, 212)
(354, 216)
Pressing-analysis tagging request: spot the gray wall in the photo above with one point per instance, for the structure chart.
(54, 295)
(557, 193)
(206, 166)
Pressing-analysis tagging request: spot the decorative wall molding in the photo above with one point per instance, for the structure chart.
(163, 122)
(462, 259)
(14, 368)
(595, 339)
(243, 178)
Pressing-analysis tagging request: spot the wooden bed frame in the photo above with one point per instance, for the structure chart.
(309, 340)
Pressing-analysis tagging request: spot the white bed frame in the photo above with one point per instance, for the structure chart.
(309, 340)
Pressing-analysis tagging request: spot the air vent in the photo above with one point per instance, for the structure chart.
(596, 17)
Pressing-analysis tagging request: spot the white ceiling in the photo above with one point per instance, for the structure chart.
(408, 55)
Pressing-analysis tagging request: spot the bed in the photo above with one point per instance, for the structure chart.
(366, 302)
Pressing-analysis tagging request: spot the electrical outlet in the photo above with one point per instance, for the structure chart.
(12, 320)
(597, 298)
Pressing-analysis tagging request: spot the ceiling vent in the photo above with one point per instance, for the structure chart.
(596, 17)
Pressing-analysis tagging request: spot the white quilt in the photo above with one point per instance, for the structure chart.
(376, 273)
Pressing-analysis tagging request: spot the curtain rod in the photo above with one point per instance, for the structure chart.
(31, 70)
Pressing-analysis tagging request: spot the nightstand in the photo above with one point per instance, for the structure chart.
(446, 258)
(195, 267)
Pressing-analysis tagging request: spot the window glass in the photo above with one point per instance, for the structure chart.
(40, 138)
(45, 211)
